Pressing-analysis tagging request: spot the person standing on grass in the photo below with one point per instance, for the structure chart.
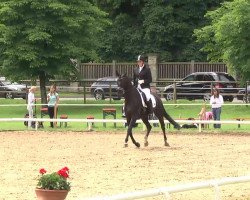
(216, 101)
(53, 100)
(31, 103)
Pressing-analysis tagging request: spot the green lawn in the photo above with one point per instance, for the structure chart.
(16, 108)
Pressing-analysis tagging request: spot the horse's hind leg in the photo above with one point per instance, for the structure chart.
(161, 120)
(149, 127)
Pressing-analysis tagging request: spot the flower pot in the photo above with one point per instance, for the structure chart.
(51, 194)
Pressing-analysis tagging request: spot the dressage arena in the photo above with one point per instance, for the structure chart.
(100, 165)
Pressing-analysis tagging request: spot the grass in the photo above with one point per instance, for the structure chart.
(16, 108)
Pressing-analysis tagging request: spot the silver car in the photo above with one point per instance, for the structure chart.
(12, 90)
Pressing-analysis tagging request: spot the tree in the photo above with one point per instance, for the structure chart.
(157, 26)
(121, 40)
(38, 38)
(227, 37)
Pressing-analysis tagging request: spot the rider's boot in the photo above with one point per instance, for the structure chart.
(149, 106)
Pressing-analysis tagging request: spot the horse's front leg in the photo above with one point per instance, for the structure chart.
(129, 132)
(149, 127)
(126, 138)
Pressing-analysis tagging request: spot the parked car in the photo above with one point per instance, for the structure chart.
(101, 88)
(191, 89)
(12, 90)
(241, 94)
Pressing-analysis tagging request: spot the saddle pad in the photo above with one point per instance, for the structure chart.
(151, 97)
(153, 100)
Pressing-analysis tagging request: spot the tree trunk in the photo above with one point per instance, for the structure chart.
(42, 79)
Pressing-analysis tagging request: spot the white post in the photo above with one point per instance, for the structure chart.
(216, 191)
(199, 127)
(89, 126)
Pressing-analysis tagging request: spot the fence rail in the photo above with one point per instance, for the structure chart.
(166, 70)
(175, 189)
(199, 122)
(179, 89)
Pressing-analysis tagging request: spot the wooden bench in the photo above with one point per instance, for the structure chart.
(109, 111)
(241, 119)
(44, 111)
(63, 116)
(90, 124)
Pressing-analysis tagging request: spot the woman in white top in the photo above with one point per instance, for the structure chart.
(216, 102)
(31, 102)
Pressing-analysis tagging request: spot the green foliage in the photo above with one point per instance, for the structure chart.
(42, 36)
(227, 37)
(153, 26)
(53, 181)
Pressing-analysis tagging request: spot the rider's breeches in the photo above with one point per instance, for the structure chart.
(147, 93)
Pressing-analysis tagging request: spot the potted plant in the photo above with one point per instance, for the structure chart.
(54, 186)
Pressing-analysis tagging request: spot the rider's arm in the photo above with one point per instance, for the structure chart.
(135, 78)
(148, 78)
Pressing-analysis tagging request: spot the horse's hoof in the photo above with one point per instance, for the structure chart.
(178, 127)
(125, 145)
(166, 144)
(137, 144)
(145, 144)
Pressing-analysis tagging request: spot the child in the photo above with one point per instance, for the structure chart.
(203, 115)
(31, 102)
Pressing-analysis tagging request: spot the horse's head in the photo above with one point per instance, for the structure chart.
(123, 81)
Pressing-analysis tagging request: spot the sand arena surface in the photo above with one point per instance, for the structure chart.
(99, 165)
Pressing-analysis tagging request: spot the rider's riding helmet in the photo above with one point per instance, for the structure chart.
(141, 58)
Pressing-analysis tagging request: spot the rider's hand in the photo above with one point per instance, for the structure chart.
(141, 81)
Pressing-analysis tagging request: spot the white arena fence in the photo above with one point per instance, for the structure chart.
(166, 191)
(116, 105)
(199, 122)
(89, 121)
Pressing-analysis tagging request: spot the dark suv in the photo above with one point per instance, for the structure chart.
(242, 94)
(192, 87)
(101, 88)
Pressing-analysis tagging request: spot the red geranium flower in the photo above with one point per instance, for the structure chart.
(64, 172)
(55, 180)
(65, 169)
(42, 171)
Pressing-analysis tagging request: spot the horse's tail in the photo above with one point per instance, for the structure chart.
(171, 120)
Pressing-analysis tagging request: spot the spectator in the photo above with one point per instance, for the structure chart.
(204, 115)
(31, 102)
(216, 102)
(53, 100)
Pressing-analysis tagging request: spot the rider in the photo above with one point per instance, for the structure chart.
(142, 79)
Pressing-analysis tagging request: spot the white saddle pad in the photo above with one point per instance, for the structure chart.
(151, 97)
(153, 100)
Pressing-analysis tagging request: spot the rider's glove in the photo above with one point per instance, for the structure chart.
(141, 81)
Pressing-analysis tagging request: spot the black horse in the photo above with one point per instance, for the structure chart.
(134, 110)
